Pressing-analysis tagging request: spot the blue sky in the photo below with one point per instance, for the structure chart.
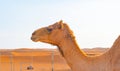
(95, 23)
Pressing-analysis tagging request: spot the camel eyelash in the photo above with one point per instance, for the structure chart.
(49, 29)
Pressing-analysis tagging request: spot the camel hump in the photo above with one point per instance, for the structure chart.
(115, 52)
(116, 44)
(115, 49)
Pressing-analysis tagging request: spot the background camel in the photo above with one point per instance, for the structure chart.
(59, 34)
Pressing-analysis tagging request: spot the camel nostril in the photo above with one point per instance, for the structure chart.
(32, 38)
(33, 33)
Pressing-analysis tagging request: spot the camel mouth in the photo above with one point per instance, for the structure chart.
(34, 39)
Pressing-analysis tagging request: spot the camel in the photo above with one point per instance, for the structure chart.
(61, 35)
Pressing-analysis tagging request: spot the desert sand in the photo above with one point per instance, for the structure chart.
(38, 59)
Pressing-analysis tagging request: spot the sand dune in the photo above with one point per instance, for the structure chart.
(39, 59)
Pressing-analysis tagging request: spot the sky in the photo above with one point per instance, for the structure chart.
(95, 23)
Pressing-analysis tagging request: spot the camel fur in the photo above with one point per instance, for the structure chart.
(60, 34)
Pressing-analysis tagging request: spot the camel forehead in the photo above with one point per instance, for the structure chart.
(45, 29)
(41, 30)
(54, 26)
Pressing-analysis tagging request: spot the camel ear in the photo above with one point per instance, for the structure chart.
(60, 24)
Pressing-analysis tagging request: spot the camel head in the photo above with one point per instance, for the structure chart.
(53, 34)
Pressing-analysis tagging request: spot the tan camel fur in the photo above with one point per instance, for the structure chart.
(59, 34)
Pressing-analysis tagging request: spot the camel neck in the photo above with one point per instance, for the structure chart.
(71, 52)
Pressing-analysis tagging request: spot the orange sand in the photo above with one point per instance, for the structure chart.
(39, 59)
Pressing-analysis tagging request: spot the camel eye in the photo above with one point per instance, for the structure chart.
(49, 29)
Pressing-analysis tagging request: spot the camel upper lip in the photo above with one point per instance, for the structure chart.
(33, 39)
